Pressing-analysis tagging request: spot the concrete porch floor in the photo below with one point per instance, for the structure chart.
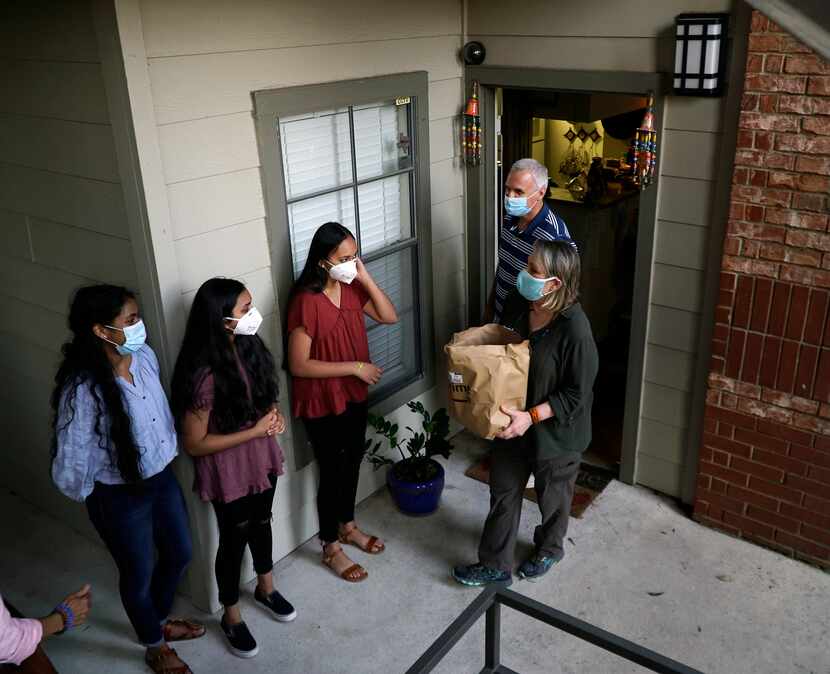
(727, 606)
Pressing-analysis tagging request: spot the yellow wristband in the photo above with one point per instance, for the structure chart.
(360, 366)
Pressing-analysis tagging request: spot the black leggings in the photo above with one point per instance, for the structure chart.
(339, 445)
(245, 521)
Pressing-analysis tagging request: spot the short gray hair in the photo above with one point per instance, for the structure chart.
(534, 168)
(560, 259)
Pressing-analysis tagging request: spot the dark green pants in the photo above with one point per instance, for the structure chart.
(510, 467)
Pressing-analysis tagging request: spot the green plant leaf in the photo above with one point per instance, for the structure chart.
(420, 446)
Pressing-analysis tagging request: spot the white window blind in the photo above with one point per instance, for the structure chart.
(321, 178)
(384, 212)
(316, 152)
(394, 347)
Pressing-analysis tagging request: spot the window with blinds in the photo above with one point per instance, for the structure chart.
(356, 165)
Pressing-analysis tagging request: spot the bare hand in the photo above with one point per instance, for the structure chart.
(520, 421)
(267, 425)
(362, 274)
(279, 424)
(80, 602)
(370, 373)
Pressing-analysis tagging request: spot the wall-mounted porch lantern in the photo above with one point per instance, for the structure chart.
(700, 52)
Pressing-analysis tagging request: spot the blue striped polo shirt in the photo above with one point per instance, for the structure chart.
(515, 247)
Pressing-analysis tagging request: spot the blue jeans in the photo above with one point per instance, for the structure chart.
(136, 522)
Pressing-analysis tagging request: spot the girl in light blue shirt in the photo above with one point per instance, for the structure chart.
(113, 442)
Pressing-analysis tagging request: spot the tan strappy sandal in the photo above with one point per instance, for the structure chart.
(166, 661)
(182, 629)
(354, 574)
(374, 546)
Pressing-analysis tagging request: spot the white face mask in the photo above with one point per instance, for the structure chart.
(345, 272)
(248, 324)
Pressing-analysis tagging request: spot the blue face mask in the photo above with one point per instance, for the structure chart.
(516, 206)
(135, 335)
(530, 287)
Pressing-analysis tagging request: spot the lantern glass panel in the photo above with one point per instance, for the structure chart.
(712, 54)
(695, 30)
(693, 57)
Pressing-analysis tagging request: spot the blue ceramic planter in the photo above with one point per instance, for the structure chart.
(416, 498)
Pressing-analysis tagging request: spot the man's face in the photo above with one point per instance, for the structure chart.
(521, 184)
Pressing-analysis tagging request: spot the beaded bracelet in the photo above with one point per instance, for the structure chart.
(534, 415)
(68, 616)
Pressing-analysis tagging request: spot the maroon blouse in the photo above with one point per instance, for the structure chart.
(337, 335)
(237, 471)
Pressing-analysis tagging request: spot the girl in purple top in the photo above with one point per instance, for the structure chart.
(225, 401)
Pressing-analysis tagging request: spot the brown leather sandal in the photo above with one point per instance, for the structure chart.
(188, 629)
(374, 546)
(354, 574)
(166, 661)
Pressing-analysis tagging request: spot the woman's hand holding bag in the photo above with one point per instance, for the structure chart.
(520, 421)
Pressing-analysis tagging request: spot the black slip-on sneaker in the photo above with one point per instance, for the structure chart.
(278, 605)
(240, 640)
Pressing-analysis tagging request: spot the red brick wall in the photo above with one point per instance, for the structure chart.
(764, 470)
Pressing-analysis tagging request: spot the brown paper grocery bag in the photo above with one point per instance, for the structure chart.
(488, 368)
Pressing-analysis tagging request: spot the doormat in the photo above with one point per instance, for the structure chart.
(590, 482)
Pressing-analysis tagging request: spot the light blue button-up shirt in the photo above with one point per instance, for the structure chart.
(81, 461)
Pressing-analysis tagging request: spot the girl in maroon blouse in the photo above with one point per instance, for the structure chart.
(225, 401)
(328, 355)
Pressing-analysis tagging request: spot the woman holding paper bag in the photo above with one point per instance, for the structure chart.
(546, 439)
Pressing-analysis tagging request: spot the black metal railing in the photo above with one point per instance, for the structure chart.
(489, 602)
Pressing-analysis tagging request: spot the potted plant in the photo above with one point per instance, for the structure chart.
(417, 480)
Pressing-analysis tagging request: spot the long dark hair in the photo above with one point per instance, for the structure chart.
(326, 239)
(207, 349)
(85, 361)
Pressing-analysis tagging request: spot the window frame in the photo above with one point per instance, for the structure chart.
(271, 105)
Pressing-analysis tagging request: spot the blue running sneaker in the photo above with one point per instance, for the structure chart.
(535, 566)
(478, 575)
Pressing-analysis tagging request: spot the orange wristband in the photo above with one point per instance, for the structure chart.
(534, 415)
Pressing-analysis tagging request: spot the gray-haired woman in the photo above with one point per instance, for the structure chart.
(546, 439)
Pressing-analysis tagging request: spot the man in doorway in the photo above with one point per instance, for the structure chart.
(526, 218)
